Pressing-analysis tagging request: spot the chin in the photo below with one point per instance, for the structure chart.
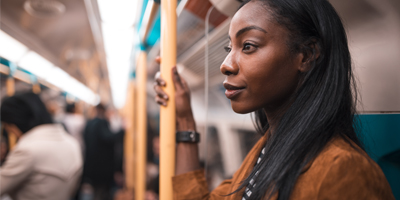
(240, 108)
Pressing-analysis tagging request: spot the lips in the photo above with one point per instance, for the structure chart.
(232, 90)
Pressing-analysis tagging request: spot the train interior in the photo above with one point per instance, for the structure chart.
(86, 51)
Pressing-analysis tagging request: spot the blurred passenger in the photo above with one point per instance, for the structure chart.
(153, 188)
(46, 162)
(116, 125)
(99, 154)
(74, 123)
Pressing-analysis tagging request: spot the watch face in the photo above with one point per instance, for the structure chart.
(192, 136)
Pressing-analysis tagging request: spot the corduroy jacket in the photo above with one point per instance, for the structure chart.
(339, 172)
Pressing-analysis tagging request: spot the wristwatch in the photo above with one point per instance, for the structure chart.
(187, 136)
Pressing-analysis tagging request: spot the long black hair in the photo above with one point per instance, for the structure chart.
(25, 110)
(323, 106)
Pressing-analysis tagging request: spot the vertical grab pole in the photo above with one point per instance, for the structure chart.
(141, 127)
(36, 88)
(167, 114)
(35, 85)
(129, 147)
(10, 84)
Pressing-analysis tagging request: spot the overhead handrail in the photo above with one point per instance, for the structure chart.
(148, 18)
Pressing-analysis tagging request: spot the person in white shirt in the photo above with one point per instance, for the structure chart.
(46, 162)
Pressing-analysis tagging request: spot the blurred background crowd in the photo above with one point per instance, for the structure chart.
(98, 132)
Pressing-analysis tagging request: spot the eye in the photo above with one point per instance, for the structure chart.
(228, 49)
(248, 47)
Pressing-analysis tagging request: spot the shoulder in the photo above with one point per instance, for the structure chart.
(99, 121)
(47, 138)
(347, 172)
(69, 139)
(345, 154)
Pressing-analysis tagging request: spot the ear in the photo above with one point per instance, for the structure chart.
(311, 51)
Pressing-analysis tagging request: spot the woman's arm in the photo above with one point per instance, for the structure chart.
(16, 170)
(187, 156)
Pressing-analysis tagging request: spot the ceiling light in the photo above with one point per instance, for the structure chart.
(118, 71)
(44, 8)
(58, 77)
(65, 82)
(10, 48)
(118, 41)
(118, 12)
(36, 64)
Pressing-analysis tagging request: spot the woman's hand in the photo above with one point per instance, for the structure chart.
(187, 155)
(184, 115)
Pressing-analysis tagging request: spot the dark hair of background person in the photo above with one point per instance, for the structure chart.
(70, 108)
(100, 110)
(25, 110)
(323, 106)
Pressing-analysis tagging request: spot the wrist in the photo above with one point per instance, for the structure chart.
(185, 123)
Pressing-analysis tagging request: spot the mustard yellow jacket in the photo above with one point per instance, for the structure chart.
(339, 172)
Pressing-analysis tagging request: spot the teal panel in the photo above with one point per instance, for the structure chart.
(8, 63)
(144, 5)
(4, 62)
(381, 136)
(155, 31)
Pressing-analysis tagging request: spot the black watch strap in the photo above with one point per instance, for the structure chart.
(187, 136)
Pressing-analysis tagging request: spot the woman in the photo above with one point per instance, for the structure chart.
(289, 63)
(46, 162)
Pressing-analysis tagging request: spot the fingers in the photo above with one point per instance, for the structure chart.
(177, 79)
(179, 84)
(159, 80)
(160, 92)
(158, 59)
(158, 75)
(161, 97)
(184, 84)
(161, 101)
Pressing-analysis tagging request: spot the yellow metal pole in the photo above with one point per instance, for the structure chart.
(10, 84)
(141, 127)
(167, 114)
(129, 147)
(36, 88)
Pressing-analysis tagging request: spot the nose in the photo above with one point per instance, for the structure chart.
(229, 66)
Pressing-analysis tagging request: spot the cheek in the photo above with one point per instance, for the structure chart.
(272, 81)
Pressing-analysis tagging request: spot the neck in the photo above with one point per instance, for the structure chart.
(274, 114)
(273, 120)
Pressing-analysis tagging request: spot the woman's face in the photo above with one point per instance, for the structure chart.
(260, 70)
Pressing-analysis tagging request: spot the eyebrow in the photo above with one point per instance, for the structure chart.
(248, 28)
